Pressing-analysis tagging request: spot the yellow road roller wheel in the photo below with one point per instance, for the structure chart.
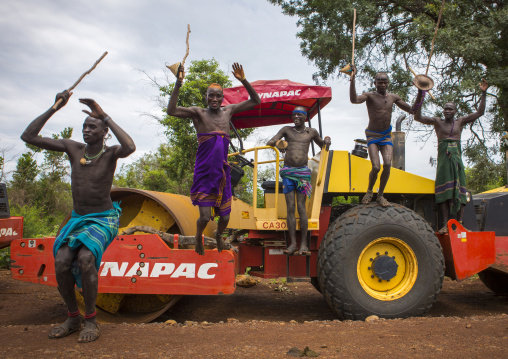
(383, 261)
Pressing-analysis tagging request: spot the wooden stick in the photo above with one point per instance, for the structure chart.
(55, 106)
(434, 38)
(430, 93)
(354, 33)
(187, 42)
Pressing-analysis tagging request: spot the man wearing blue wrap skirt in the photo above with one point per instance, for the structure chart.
(296, 175)
(378, 132)
(94, 223)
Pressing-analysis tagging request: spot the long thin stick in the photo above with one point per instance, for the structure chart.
(81, 78)
(354, 33)
(187, 42)
(435, 33)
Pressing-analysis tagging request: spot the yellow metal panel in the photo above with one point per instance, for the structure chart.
(497, 190)
(281, 225)
(242, 215)
(339, 172)
(399, 182)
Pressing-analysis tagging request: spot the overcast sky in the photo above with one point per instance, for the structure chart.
(47, 44)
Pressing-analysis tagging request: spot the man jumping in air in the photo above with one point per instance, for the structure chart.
(211, 187)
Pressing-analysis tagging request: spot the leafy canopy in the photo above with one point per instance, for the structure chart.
(472, 42)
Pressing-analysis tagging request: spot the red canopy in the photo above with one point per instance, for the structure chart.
(278, 99)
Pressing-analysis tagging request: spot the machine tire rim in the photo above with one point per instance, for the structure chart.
(406, 275)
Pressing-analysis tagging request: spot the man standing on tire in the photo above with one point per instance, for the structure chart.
(211, 187)
(296, 175)
(379, 130)
(94, 223)
(450, 175)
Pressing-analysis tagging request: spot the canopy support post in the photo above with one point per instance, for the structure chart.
(319, 117)
(311, 142)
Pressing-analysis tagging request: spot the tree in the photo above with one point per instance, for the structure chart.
(41, 192)
(472, 43)
(170, 168)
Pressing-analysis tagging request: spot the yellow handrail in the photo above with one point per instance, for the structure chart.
(255, 172)
(322, 165)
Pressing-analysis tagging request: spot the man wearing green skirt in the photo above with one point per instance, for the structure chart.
(450, 175)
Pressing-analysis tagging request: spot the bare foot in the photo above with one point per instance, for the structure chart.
(443, 230)
(304, 249)
(382, 201)
(71, 325)
(220, 243)
(367, 198)
(200, 249)
(304, 252)
(291, 250)
(90, 333)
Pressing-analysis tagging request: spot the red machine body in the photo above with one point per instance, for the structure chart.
(10, 229)
(135, 264)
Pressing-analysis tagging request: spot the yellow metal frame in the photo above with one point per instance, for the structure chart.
(244, 216)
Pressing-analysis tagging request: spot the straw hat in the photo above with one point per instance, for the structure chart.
(174, 68)
(423, 82)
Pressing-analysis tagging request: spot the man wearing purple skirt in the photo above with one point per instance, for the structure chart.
(211, 188)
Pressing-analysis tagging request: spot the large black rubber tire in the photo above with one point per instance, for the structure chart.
(495, 280)
(342, 247)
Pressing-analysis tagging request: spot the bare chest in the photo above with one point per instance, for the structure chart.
(210, 121)
(448, 129)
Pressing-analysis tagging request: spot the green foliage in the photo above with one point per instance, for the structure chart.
(155, 172)
(5, 257)
(487, 174)
(37, 223)
(392, 35)
(339, 200)
(40, 193)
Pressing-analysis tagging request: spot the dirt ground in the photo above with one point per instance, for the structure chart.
(467, 321)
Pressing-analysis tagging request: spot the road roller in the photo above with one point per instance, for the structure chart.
(365, 259)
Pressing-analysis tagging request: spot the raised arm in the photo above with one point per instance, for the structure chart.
(418, 114)
(254, 99)
(352, 90)
(127, 145)
(401, 104)
(173, 110)
(31, 133)
(481, 109)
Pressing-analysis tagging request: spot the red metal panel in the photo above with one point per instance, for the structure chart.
(249, 256)
(501, 254)
(136, 264)
(324, 223)
(466, 253)
(10, 229)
